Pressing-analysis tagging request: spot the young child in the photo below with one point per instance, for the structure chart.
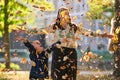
(39, 57)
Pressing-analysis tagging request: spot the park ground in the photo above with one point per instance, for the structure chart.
(82, 75)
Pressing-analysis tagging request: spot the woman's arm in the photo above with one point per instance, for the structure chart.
(88, 32)
(52, 47)
(46, 30)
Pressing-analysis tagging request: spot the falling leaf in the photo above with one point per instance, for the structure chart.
(88, 14)
(65, 58)
(44, 31)
(80, 59)
(42, 8)
(115, 38)
(35, 6)
(64, 77)
(11, 14)
(101, 57)
(117, 31)
(23, 60)
(116, 65)
(115, 47)
(79, 0)
(90, 54)
(87, 33)
(18, 12)
(73, 67)
(86, 58)
(98, 31)
(74, 18)
(63, 67)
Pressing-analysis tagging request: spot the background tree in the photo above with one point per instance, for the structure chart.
(101, 9)
(116, 39)
(13, 13)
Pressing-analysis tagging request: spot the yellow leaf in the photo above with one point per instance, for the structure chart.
(23, 60)
(117, 31)
(115, 39)
(88, 14)
(115, 47)
(86, 58)
(80, 24)
(98, 31)
(74, 18)
(44, 31)
(48, 6)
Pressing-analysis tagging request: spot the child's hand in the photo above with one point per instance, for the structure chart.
(33, 63)
(20, 38)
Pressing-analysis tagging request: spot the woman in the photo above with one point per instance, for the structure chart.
(64, 57)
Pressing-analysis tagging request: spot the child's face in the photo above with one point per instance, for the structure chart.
(37, 45)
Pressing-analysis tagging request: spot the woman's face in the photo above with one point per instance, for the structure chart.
(64, 17)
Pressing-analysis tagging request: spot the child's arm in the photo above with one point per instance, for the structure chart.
(28, 45)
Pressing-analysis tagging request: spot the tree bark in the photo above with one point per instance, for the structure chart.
(116, 71)
(6, 35)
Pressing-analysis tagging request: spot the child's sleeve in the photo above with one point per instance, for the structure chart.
(29, 46)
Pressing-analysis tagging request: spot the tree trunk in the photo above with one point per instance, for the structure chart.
(116, 71)
(6, 35)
